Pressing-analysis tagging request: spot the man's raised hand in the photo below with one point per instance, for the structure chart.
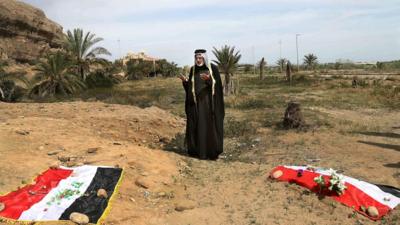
(183, 78)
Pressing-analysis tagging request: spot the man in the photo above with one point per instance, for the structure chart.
(204, 107)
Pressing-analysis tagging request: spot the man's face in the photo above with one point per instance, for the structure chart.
(199, 60)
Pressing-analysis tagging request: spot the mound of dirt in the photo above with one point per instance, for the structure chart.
(35, 136)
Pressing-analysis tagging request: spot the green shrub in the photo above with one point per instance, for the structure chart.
(235, 128)
(102, 79)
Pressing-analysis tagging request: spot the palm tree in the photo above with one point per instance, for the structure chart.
(262, 65)
(7, 83)
(227, 61)
(54, 76)
(281, 62)
(83, 51)
(310, 61)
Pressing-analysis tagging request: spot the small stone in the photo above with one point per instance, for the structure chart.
(132, 200)
(145, 174)
(92, 150)
(162, 194)
(55, 152)
(70, 164)
(2, 206)
(41, 148)
(277, 174)
(22, 132)
(182, 206)
(257, 140)
(372, 211)
(142, 183)
(79, 218)
(102, 193)
(163, 140)
(55, 166)
(117, 143)
(64, 158)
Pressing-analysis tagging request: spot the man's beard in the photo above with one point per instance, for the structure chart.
(200, 64)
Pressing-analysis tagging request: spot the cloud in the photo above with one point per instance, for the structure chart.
(355, 29)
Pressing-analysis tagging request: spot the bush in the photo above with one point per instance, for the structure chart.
(102, 79)
(167, 69)
(138, 68)
(11, 91)
(234, 128)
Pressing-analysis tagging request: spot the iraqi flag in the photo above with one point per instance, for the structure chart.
(359, 195)
(57, 193)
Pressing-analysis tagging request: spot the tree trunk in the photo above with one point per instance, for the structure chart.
(262, 69)
(82, 73)
(2, 93)
(289, 72)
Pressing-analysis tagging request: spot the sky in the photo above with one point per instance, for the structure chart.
(359, 30)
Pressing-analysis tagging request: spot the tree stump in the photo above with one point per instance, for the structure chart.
(293, 117)
(289, 72)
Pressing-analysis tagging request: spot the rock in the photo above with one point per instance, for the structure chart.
(163, 140)
(372, 211)
(70, 164)
(64, 158)
(185, 205)
(141, 182)
(55, 166)
(117, 143)
(41, 148)
(55, 152)
(21, 132)
(145, 174)
(102, 193)
(92, 150)
(79, 218)
(26, 34)
(277, 174)
(161, 194)
(2, 206)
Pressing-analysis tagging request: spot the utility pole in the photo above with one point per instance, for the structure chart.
(297, 50)
(280, 49)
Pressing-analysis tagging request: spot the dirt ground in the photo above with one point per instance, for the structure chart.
(182, 190)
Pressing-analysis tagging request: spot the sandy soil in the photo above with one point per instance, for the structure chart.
(182, 190)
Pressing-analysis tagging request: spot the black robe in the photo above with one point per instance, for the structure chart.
(205, 116)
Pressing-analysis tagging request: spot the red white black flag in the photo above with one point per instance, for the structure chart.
(57, 193)
(356, 194)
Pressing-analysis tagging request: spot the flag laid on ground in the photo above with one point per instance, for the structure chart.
(57, 193)
(371, 200)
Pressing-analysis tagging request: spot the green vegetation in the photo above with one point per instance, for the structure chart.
(281, 63)
(82, 50)
(9, 91)
(228, 61)
(310, 61)
(55, 76)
